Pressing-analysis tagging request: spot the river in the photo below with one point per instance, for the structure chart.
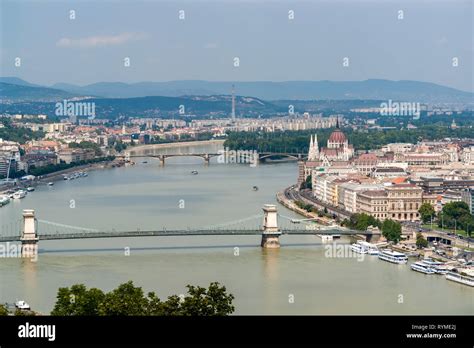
(297, 279)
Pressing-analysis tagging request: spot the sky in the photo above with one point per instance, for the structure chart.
(421, 43)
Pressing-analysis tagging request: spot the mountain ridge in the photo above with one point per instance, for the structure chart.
(371, 89)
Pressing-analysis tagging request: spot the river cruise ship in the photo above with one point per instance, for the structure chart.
(463, 276)
(393, 256)
(422, 268)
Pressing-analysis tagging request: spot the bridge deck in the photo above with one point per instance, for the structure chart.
(163, 233)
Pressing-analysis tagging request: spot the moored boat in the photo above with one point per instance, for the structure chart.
(437, 266)
(371, 248)
(4, 200)
(422, 268)
(392, 256)
(22, 305)
(19, 194)
(463, 276)
(358, 248)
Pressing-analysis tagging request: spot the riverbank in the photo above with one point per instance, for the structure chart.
(57, 176)
(289, 203)
(86, 167)
(174, 145)
(284, 199)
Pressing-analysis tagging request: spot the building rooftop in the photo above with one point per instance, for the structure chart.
(374, 193)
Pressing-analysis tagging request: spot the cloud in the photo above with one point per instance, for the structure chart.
(98, 41)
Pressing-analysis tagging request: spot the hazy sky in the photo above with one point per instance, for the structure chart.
(161, 46)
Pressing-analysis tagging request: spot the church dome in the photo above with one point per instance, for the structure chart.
(337, 137)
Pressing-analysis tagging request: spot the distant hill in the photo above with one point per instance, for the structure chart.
(17, 81)
(415, 91)
(195, 106)
(14, 90)
(13, 93)
(145, 89)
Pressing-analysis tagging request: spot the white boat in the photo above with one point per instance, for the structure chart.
(50, 183)
(371, 248)
(30, 189)
(358, 248)
(22, 305)
(437, 266)
(19, 194)
(392, 256)
(4, 200)
(421, 267)
(462, 276)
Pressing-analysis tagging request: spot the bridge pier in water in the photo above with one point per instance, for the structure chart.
(29, 238)
(162, 160)
(270, 233)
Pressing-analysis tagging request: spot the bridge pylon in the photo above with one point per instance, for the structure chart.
(270, 233)
(29, 238)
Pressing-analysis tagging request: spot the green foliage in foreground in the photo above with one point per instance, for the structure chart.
(3, 310)
(129, 300)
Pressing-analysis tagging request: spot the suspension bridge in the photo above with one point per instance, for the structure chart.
(31, 230)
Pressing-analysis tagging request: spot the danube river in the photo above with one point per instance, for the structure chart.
(297, 279)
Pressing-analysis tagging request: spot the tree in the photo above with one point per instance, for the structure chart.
(23, 313)
(125, 300)
(361, 221)
(421, 242)
(426, 212)
(128, 299)
(78, 300)
(308, 183)
(392, 230)
(3, 310)
(207, 302)
(456, 215)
